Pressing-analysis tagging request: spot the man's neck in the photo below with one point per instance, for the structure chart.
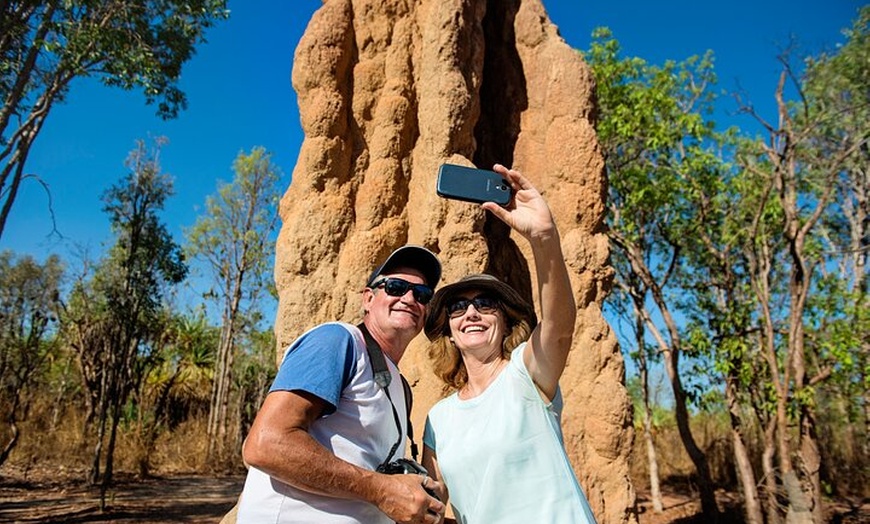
(392, 346)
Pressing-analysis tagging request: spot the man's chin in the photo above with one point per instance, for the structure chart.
(406, 320)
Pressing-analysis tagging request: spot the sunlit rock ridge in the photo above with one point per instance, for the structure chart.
(388, 90)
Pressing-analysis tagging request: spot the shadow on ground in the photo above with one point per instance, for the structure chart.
(155, 500)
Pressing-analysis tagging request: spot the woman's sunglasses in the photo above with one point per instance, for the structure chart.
(482, 304)
(396, 287)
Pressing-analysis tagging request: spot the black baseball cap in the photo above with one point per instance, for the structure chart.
(416, 257)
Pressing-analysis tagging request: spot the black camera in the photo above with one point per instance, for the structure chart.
(405, 466)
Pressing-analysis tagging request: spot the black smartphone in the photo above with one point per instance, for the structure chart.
(472, 185)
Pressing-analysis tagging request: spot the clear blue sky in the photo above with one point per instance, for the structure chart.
(239, 92)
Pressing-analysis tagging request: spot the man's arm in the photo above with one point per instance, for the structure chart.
(279, 444)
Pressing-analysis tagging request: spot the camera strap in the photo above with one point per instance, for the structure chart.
(383, 378)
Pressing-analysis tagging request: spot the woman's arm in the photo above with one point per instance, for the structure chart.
(430, 462)
(530, 216)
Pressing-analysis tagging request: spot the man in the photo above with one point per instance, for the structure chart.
(326, 425)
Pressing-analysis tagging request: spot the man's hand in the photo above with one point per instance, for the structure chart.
(404, 499)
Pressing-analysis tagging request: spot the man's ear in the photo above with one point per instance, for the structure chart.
(367, 298)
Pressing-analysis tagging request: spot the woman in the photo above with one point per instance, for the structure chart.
(496, 441)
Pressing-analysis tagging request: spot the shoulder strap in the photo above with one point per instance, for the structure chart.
(376, 355)
(409, 402)
(383, 379)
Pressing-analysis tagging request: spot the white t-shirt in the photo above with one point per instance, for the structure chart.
(331, 361)
(501, 454)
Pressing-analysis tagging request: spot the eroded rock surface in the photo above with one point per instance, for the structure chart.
(388, 90)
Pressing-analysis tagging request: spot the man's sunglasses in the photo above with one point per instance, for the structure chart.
(396, 287)
(482, 304)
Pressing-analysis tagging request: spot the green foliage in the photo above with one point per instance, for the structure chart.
(255, 371)
(233, 240)
(650, 117)
(660, 416)
(144, 257)
(655, 135)
(838, 320)
(726, 232)
(837, 121)
(29, 300)
(45, 45)
(656, 138)
(806, 186)
(836, 89)
(177, 383)
(115, 321)
(129, 45)
(233, 236)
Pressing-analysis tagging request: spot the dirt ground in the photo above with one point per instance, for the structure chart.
(158, 500)
(65, 498)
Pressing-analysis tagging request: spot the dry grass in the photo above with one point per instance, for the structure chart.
(46, 476)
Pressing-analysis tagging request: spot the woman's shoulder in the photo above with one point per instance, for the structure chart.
(517, 356)
(444, 404)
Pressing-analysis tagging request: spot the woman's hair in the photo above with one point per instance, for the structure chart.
(445, 357)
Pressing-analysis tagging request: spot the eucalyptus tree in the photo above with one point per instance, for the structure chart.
(650, 122)
(720, 217)
(812, 167)
(45, 45)
(29, 302)
(630, 296)
(113, 316)
(836, 87)
(233, 238)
